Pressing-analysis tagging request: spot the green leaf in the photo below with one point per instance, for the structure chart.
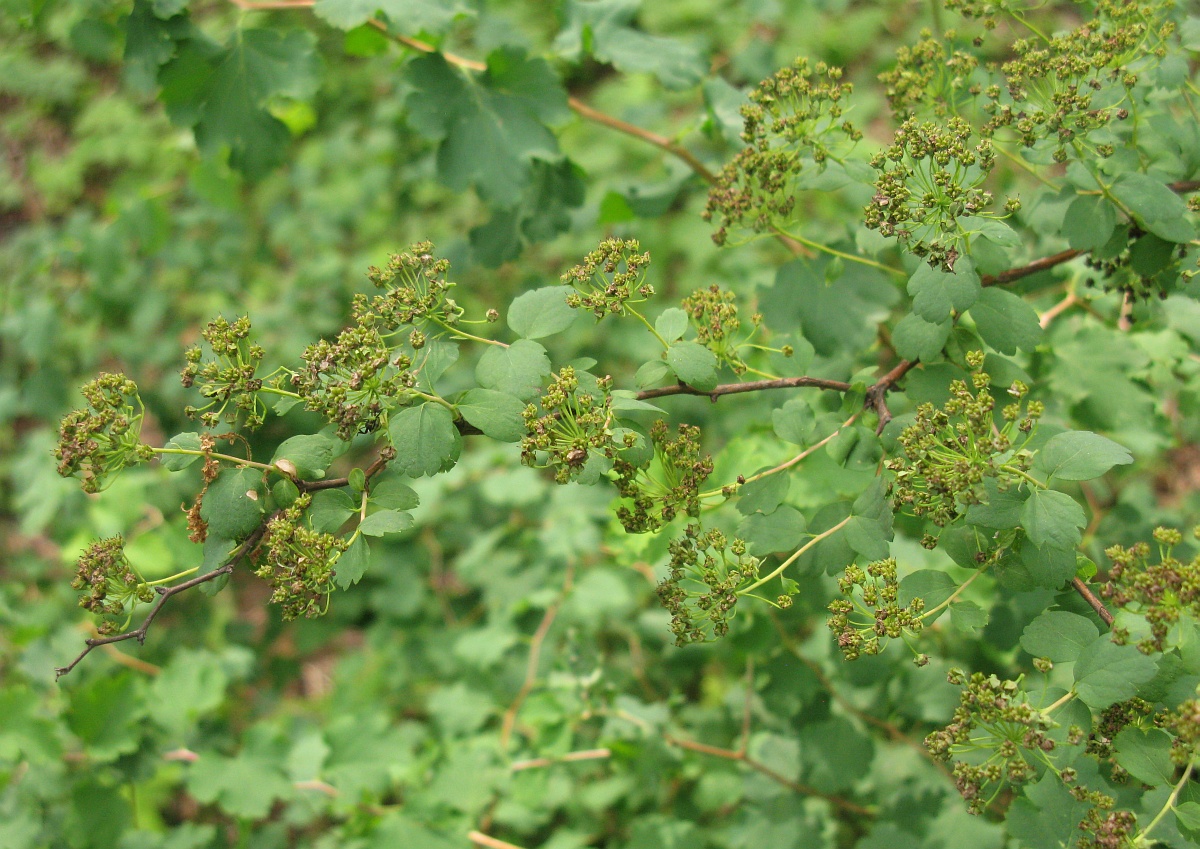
(917, 339)
(225, 97)
(869, 537)
(625, 401)
(835, 754)
(232, 506)
(968, 617)
(1079, 455)
(541, 312)
(1052, 518)
(245, 786)
(408, 17)
(693, 364)
(517, 369)
(330, 509)
(932, 585)
(353, 563)
(763, 495)
(781, 530)
(651, 373)
(285, 492)
(104, 715)
(1089, 222)
(385, 522)
(1106, 673)
(309, 454)
(1188, 814)
(1048, 565)
(393, 494)
(1146, 755)
(1059, 635)
(995, 231)
(187, 441)
(794, 421)
(936, 292)
(672, 324)
(497, 414)
(1155, 207)
(491, 125)
(1005, 321)
(425, 439)
(1002, 509)
(605, 29)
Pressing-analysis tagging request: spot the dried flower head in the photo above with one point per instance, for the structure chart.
(572, 426)
(871, 614)
(299, 562)
(229, 380)
(97, 442)
(610, 277)
(700, 591)
(1162, 592)
(112, 586)
(415, 287)
(668, 485)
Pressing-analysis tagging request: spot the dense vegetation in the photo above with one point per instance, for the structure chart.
(598, 426)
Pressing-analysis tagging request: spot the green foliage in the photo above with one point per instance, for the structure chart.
(626, 568)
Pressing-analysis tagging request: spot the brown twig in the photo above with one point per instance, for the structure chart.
(1026, 270)
(569, 757)
(1091, 598)
(1047, 318)
(748, 386)
(535, 652)
(481, 839)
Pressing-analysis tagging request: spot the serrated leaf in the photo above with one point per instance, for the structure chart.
(187, 441)
(932, 585)
(497, 414)
(541, 312)
(393, 494)
(353, 563)
(1106, 673)
(995, 231)
(1089, 222)
(794, 421)
(917, 339)
(936, 292)
(1059, 635)
(1052, 518)
(244, 786)
(408, 17)
(1146, 755)
(672, 324)
(1079, 455)
(330, 509)
(425, 439)
(1188, 814)
(232, 506)
(968, 617)
(1005, 321)
(1048, 566)
(490, 125)
(1154, 206)
(605, 29)
(781, 530)
(1001, 510)
(518, 369)
(693, 364)
(385, 522)
(624, 401)
(763, 495)
(310, 454)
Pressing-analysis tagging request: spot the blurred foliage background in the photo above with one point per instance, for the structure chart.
(516, 624)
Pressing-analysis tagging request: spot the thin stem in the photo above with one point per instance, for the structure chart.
(783, 566)
(481, 839)
(174, 577)
(569, 757)
(1170, 803)
(649, 326)
(584, 111)
(1091, 598)
(953, 596)
(434, 399)
(1032, 480)
(1066, 697)
(746, 386)
(189, 452)
(462, 334)
(818, 246)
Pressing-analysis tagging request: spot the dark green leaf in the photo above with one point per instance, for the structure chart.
(309, 454)
(1059, 635)
(188, 442)
(385, 522)
(651, 374)
(763, 495)
(1154, 206)
(232, 506)
(1089, 222)
(497, 414)
(425, 439)
(1146, 755)
(285, 492)
(936, 292)
(781, 530)
(1001, 510)
(1052, 518)
(517, 369)
(1005, 321)
(917, 339)
(1188, 814)
(104, 715)
(1079, 455)
(968, 617)
(541, 312)
(693, 364)
(330, 509)
(932, 585)
(393, 494)
(869, 537)
(1106, 673)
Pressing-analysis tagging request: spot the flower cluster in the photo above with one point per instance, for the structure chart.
(926, 76)
(793, 125)
(415, 287)
(714, 314)
(99, 441)
(609, 278)
(948, 451)
(1002, 733)
(1184, 723)
(1158, 277)
(354, 380)
(667, 486)
(298, 562)
(572, 426)
(1113, 720)
(930, 177)
(110, 582)
(1162, 592)
(874, 594)
(229, 381)
(700, 591)
(987, 10)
